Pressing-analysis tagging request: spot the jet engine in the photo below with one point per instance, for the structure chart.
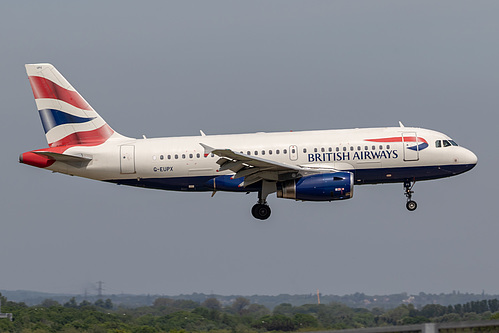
(319, 187)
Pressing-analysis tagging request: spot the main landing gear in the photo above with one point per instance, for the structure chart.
(410, 205)
(261, 210)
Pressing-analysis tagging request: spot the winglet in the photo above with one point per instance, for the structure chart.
(207, 149)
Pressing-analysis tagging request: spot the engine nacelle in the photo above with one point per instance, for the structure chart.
(320, 187)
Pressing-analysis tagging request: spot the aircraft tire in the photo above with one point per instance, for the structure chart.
(411, 205)
(261, 212)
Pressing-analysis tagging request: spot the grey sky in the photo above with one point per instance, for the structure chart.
(168, 68)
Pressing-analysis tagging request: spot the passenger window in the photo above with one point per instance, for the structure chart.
(198, 155)
(176, 156)
(315, 150)
(330, 149)
(190, 155)
(169, 157)
(344, 148)
(263, 152)
(337, 148)
(446, 143)
(293, 151)
(387, 146)
(323, 150)
(438, 143)
(358, 148)
(277, 151)
(183, 155)
(212, 155)
(373, 147)
(380, 147)
(270, 152)
(256, 152)
(304, 150)
(351, 148)
(248, 153)
(284, 151)
(161, 157)
(366, 147)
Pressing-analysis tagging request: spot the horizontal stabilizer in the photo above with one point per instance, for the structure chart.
(63, 157)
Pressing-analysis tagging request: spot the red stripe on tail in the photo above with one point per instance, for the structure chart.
(43, 88)
(85, 138)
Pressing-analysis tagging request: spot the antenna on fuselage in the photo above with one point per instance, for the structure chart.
(400, 123)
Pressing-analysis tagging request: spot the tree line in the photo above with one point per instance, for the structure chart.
(211, 315)
(356, 300)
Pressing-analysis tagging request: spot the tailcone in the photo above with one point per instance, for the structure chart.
(36, 160)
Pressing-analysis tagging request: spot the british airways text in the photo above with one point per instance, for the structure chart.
(352, 156)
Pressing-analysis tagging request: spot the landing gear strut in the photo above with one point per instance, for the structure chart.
(261, 210)
(410, 205)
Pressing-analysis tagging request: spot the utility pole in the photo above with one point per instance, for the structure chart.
(99, 288)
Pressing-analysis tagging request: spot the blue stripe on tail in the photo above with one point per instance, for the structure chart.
(52, 118)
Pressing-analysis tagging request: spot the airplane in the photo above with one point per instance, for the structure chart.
(321, 165)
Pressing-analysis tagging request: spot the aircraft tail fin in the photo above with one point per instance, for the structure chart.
(66, 117)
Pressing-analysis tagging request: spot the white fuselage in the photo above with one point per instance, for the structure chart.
(179, 163)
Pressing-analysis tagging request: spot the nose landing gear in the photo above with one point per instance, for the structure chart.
(410, 205)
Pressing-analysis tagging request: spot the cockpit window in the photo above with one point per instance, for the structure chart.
(446, 143)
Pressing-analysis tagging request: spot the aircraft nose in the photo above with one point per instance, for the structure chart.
(468, 157)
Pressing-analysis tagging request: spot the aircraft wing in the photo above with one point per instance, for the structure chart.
(252, 168)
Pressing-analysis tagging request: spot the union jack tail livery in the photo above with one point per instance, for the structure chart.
(66, 117)
(304, 166)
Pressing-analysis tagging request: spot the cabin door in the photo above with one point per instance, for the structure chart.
(127, 159)
(293, 153)
(411, 147)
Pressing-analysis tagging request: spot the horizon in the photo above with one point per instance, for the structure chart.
(454, 292)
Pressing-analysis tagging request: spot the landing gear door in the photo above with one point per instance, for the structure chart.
(127, 159)
(411, 147)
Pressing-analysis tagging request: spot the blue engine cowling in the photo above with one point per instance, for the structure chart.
(320, 187)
